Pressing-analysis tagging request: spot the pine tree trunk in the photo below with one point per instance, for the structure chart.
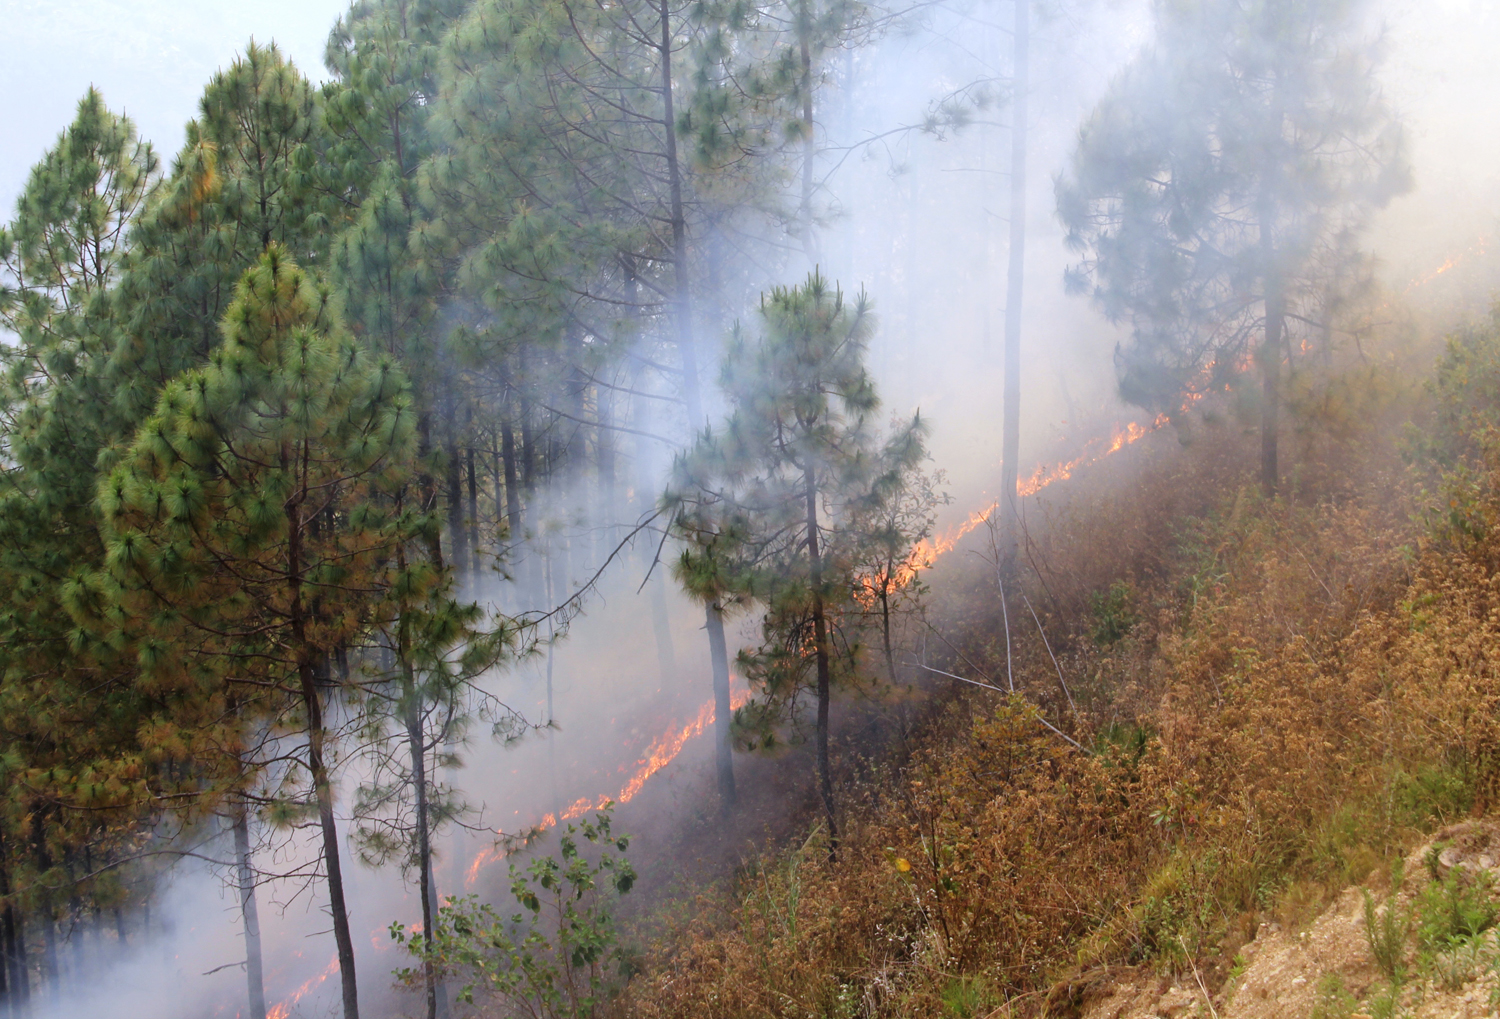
(323, 791)
(820, 642)
(316, 766)
(723, 713)
(1270, 355)
(456, 533)
(473, 510)
(1270, 408)
(809, 150)
(512, 485)
(416, 743)
(8, 1004)
(254, 983)
(51, 973)
(1010, 442)
(13, 929)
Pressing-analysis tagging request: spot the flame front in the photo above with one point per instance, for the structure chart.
(926, 552)
(284, 1008)
(662, 752)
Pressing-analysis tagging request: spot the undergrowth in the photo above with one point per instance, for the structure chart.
(1266, 700)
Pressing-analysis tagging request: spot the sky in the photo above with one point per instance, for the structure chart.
(150, 58)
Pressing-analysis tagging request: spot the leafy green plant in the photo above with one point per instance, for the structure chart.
(1114, 613)
(1456, 910)
(552, 958)
(965, 997)
(1386, 929)
(1334, 1000)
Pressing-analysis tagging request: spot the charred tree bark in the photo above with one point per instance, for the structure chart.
(254, 982)
(1010, 441)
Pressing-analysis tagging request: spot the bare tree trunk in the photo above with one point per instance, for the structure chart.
(809, 144)
(1010, 441)
(474, 549)
(686, 346)
(820, 641)
(12, 927)
(1270, 356)
(417, 744)
(1270, 384)
(316, 766)
(254, 982)
(723, 713)
(457, 534)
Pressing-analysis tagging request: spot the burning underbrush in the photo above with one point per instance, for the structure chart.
(1229, 708)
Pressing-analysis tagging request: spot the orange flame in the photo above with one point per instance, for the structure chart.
(283, 1009)
(926, 552)
(662, 752)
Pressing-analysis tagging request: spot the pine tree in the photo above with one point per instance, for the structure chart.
(253, 172)
(773, 504)
(71, 793)
(249, 535)
(423, 671)
(1217, 190)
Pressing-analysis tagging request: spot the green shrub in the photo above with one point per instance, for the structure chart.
(1114, 613)
(1454, 911)
(1386, 929)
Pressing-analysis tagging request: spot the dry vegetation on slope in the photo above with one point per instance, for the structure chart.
(1275, 700)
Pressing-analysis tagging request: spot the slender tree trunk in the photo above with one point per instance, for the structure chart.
(723, 713)
(682, 298)
(13, 929)
(1270, 384)
(456, 531)
(809, 145)
(324, 792)
(512, 485)
(9, 1001)
(473, 508)
(254, 983)
(416, 743)
(686, 347)
(820, 642)
(316, 735)
(1270, 356)
(51, 973)
(885, 628)
(1010, 441)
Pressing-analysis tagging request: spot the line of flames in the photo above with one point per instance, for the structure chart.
(284, 1008)
(662, 752)
(926, 552)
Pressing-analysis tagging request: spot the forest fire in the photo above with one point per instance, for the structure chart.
(927, 551)
(283, 1009)
(661, 752)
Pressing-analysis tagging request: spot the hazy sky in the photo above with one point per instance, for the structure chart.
(150, 58)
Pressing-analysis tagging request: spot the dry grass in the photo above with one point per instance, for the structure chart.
(1288, 694)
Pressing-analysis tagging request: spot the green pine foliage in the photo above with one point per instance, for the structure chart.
(777, 505)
